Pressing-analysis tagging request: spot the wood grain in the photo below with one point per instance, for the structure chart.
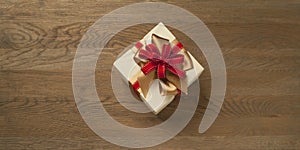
(259, 41)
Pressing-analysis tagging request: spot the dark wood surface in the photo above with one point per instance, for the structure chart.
(259, 41)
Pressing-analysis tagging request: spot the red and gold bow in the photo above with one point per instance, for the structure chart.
(163, 60)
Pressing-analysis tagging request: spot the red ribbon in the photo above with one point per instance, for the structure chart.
(168, 59)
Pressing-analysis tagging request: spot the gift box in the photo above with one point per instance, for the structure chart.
(157, 68)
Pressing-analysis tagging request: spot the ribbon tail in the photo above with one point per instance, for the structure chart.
(180, 73)
(145, 82)
(135, 86)
(179, 83)
(167, 88)
(149, 67)
(161, 71)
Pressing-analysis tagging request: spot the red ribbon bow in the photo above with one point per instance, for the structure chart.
(168, 59)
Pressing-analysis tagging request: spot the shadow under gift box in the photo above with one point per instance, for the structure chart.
(126, 65)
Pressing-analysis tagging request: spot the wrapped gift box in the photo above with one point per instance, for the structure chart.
(126, 65)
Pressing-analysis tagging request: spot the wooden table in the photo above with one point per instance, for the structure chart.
(259, 41)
